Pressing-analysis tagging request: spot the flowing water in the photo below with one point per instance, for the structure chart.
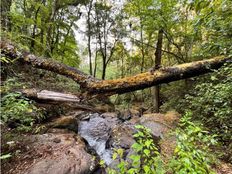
(96, 132)
(103, 133)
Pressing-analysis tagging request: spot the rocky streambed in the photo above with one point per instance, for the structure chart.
(75, 143)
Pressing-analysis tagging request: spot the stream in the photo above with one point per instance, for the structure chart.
(104, 132)
(78, 140)
(96, 131)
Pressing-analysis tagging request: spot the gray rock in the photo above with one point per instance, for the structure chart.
(96, 132)
(67, 155)
(65, 122)
(121, 136)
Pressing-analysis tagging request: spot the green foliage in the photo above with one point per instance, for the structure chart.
(145, 159)
(211, 103)
(10, 84)
(170, 94)
(45, 28)
(19, 112)
(4, 59)
(6, 156)
(214, 22)
(192, 153)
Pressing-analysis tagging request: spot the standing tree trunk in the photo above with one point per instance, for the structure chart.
(103, 71)
(95, 62)
(158, 56)
(89, 37)
(49, 37)
(5, 9)
(34, 29)
(142, 46)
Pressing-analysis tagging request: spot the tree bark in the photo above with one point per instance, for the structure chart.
(142, 46)
(51, 97)
(93, 86)
(95, 62)
(89, 36)
(5, 10)
(158, 56)
(34, 28)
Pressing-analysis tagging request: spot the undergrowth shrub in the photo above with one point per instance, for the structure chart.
(145, 159)
(211, 103)
(192, 153)
(19, 112)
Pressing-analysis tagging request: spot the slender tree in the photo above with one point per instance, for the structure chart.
(158, 57)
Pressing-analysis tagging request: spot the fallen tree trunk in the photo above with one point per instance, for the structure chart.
(93, 86)
(50, 95)
(57, 98)
(161, 76)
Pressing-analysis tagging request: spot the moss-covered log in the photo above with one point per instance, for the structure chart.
(163, 75)
(117, 86)
(11, 51)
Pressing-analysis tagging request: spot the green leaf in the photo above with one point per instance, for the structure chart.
(2, 157)
(114, 156)
(135, 158)
(137, 147)
(147, 152)
(120, 152)
(146, 169)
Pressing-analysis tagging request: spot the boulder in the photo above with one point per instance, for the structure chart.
(65, 122)
(60, 154)
(121, 136)
(128, 114)
(155, 124)
(110, 115)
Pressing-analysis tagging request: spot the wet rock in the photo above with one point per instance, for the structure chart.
(128, 114)
(104, 108)
(156, 126)
(121, 136)
(107, 132)
(96, 132)
(65, 122)
(67, 156)
(110, 115)
(84, 117)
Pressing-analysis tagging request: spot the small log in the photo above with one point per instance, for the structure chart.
(50, 95)
(57, 96)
